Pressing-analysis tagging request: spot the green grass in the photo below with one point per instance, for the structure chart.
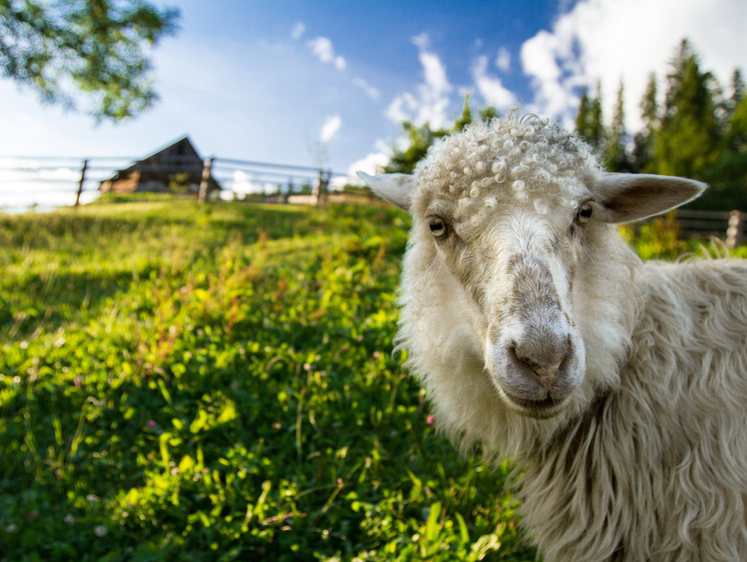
(186, 383)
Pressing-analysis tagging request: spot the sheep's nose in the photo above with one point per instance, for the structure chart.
(544, 363)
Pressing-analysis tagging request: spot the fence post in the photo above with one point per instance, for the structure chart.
(80, 184)
(732, 233)
(204, 183)
(321, 189)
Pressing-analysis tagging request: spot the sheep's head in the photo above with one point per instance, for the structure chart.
(509, 218)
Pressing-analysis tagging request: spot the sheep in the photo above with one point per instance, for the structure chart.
(619, 387)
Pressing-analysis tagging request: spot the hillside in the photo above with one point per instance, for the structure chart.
(216, 383)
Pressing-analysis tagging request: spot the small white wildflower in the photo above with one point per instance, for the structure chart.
(101, 530)
(92, 498)
(69, 519)
(11, 529)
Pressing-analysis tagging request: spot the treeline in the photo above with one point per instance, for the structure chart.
(699, 132)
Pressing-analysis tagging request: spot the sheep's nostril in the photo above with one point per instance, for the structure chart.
(544, 365)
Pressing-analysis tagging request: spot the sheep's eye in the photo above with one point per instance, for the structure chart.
(438, 227)
(584, 213)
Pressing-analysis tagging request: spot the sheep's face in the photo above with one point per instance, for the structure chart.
(516, 267)
(509, 220)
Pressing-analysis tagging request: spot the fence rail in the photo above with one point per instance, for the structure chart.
(51, 181)
(60, 181)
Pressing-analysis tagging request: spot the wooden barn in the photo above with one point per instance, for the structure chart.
(178, 167)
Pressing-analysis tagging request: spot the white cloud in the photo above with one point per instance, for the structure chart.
(401, 108)
(371, 92)
(432, 99)
(491, 89)
(298, 31)
(331, 125)
(322, 48)
(370, 164)
(553, 94)
(609, 40)
(243, 183)
(421, 41)
(503, 60)
(435, 73)
(325, 52)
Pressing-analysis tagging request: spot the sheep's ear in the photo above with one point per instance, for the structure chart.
(631, 197)
(395, 188)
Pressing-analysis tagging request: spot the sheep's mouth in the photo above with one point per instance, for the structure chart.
(541, 409)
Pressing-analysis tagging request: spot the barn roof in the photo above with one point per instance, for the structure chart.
(180, 156)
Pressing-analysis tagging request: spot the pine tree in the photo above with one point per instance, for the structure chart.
(421, 138)
(589, 123)
(650, 107)
(737, 92)
(735, 137)
(466, 118)
(616, 151)
(582, 116)
(645, 139)
(595, 134)
(687, 142)
(728, 175)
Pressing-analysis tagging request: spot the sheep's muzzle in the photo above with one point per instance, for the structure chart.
(533, 353)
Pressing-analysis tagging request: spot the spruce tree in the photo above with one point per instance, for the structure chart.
(589, 123)
(616, 152)
(595, 134)
(687, 142)
(645, 139)
(728, 175)
(582, 116)
(421, 138)
(737, 92)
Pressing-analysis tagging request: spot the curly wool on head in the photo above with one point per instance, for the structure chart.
(528, 160)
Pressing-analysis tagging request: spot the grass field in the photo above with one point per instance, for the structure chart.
(216, 383)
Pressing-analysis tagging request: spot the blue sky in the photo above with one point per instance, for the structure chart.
(275, 80)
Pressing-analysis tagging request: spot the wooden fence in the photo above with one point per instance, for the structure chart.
(729, 226)
(76, 180)
(48, 182)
